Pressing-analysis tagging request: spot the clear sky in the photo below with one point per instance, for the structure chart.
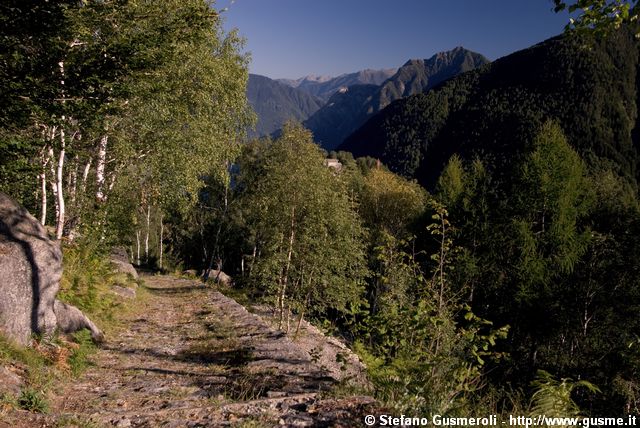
(294, 38)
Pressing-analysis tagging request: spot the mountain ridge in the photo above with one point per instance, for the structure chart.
(324, 87)
(349, 109)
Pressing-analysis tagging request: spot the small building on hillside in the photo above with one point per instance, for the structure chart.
(333, 163)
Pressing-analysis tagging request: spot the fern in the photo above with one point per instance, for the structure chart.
(552, 397)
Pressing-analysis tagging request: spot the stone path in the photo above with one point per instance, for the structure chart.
(192, 357)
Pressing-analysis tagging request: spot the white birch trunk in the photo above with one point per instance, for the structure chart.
(43, 185)
(60, 208)
(146, 238)
(73, 182)
(54, 184)
(112, 182)
(285, 277)
(43, 197)
(100, 167)
(85, 175)
(59, 185)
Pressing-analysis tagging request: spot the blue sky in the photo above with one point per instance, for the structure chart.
(293, 38)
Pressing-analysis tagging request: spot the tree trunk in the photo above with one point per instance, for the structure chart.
(85, 175)
(216, 243)
(295, 336)
(161, 238)
(146, 238)
(253, 259)
(112, 182)
(100, 167)
(60, 208)
(285, 277)
(53, 183)
(138, 247)
(44, 159)
(288, 319)
(59, 182)
(73, 182)
(305, 303)
(43, 197)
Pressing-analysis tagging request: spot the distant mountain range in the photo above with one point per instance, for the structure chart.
(275, 103)
(334, 107)
(324, 87)
(349, 108)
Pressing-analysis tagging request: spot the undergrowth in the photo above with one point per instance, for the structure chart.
(87, 280)
(40, 365)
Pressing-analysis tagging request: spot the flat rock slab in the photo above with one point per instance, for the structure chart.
(191, 356)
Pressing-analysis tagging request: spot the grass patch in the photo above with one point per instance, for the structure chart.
(33, 400)
(41, 364)
(79, 359)
(245, 386)
(71, 421)
(36, 367)
(240, 295)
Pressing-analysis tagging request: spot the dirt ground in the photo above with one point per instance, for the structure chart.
(192, 357)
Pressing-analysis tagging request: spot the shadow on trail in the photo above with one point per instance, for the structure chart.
(169, 291)
(157, 370)
(231, 358)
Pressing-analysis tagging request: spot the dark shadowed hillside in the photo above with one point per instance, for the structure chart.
(495, 110)
(349, 109)
(275, 103)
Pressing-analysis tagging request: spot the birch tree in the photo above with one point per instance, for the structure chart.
(304, 225)
(110, 94)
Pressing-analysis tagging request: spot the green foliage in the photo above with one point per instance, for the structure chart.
(41, 364)
(300, 229)
(135, 134)
(552, 397)
(86, 281)
(552, 197)
(389, 202)
(426, 350)
(38, 373)
(598, 16)
(543, 252)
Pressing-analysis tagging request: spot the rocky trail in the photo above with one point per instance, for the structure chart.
(192, 357)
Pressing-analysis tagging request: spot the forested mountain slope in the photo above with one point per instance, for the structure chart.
(590, 91)
(275, 103)
(349, 108)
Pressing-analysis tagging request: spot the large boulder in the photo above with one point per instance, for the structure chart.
(220, 277)
(120, 261)
(70, 319)
(30, 272)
